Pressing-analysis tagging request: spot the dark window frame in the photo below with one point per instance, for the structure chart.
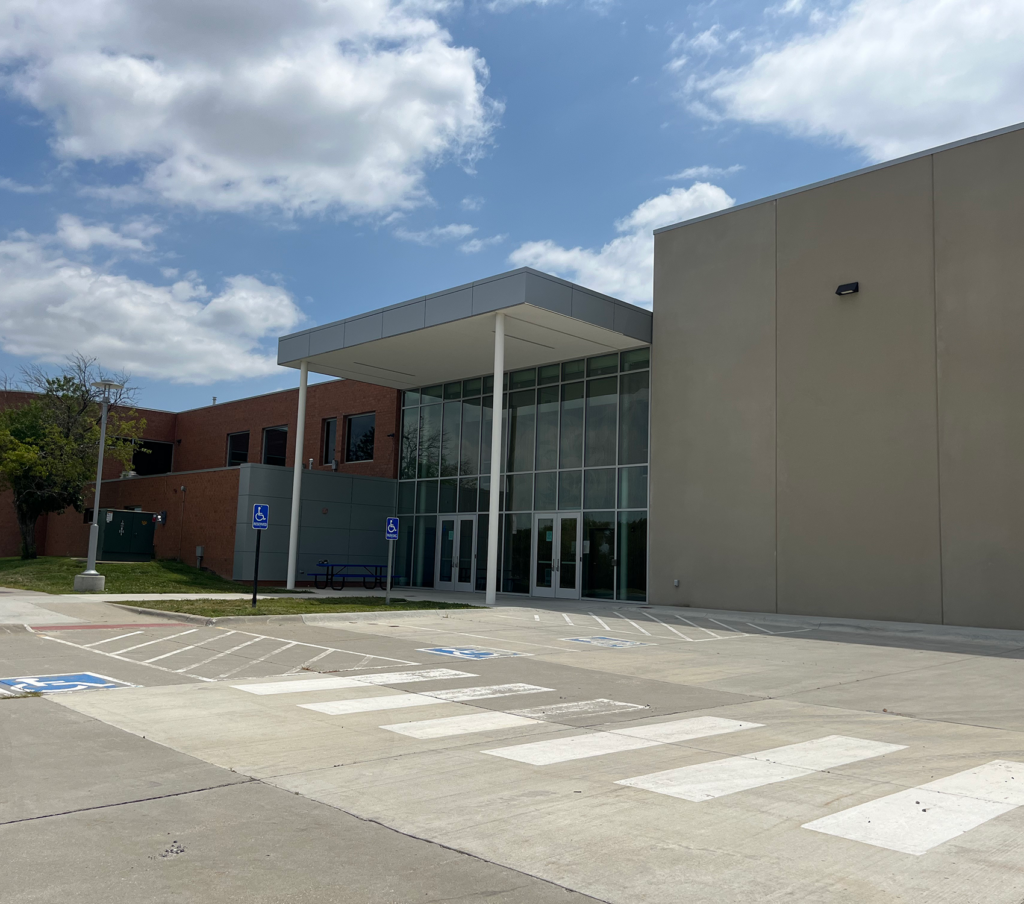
(348, 436)
(283, 428)
(248, 440)
(328, 440)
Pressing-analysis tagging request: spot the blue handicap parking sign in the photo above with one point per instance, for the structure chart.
(59, 684)
(260, 516)
(391, 529)
(471, 652)
(612, 643)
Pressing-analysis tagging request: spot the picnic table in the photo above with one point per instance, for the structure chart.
(345, 571)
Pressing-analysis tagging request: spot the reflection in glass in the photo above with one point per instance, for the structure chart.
(572, 370)
(444, 573)
(517, 550)
(424, 544)
(570, 490)
(430, 440)
(547, 374)
(406, 498)
(481, 552)
(600, 440)
(410, 427)
(467, 494)
(426, 496)
(637, 359)
(430, 394)
(402, 573)
(486, 419)
(411, 398)
(522, 379)
(470, 453)
(599, 488)
(450, 439)
(632, 555)
(545, 498)
(465, 558)
(604, 364)
(634, 404)
(453, 390)
(520, 493)
(571, 441)
(599, 554)
(522, 418)
(545, 551)
(446, 501)
(633, 487)
(567, 555)
(547, 428)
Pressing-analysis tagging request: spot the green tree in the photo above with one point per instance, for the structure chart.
(49, 440)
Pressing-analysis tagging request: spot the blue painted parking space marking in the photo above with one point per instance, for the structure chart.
(471, 652)
(612, 643)
(60, 684)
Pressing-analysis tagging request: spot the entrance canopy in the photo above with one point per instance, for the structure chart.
(450, 335)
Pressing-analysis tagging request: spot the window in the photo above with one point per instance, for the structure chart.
(275, 445)
(329, 434)
(360, 437)
(152, 457)
(238, 448)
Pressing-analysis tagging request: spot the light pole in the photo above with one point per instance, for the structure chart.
(91, 579)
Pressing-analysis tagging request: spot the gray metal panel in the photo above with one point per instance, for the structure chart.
(364, 329)
(374, 491)
(499, 293)
(551, 294)
(404, 318)
(593, 309)
(327, 339)
(292, 348)
(631, 322)
(449, 306)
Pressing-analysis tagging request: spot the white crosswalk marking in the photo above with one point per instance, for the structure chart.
(706, 781)
(596, 707)
(459, 725)
(371, 704)
(460, 694)
(919, 819)
(560, 750)
(326, 684)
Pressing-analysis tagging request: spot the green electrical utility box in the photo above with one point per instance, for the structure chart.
(125, 536)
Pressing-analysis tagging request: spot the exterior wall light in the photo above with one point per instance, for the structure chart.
(850, 288)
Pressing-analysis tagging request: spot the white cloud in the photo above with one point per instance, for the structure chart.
(624, 267)
(73, 233)
(503, 6)
(303, 107)
(22, 189)
(705, 172)
(472, 202)
(52, 305)
(436, 234)
(474, 246)
(888, 76)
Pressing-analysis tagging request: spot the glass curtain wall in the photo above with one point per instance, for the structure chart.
(574, 439)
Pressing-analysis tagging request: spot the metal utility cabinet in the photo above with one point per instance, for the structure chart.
(126, 536)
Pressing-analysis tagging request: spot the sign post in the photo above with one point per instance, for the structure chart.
(391, 534)
(260, 519)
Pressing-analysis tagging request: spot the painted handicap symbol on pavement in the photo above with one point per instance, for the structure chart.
(471, 652)
(612, 643)
(59, 684)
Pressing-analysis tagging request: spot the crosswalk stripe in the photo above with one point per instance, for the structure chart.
(706, 781)
(460, 694)
(460, 725)
(371, 704)
(686, 729)
(596, 707)
(326, 684)
(918, 819)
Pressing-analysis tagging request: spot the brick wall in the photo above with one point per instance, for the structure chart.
(204, 515)
(10, 538)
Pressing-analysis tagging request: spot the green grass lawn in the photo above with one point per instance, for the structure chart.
(289, 606)
(51, 574)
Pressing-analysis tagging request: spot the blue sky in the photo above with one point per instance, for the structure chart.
(181, 183)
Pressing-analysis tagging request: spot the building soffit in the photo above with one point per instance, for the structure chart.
(450, 335)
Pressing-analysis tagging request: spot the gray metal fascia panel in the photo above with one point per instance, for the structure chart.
(292, 348)
(449, 306)
(634, 322)
(593, 309)
(364, 329)
(327, 339)
(549, 294)
(404, 318)
(504, 292)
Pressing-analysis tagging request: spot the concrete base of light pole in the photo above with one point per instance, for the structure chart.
(90, 583)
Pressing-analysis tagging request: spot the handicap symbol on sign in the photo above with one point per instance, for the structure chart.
(260, 516)
(391, 529)
(58, 684)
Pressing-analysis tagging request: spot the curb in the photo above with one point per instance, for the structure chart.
(312, 619)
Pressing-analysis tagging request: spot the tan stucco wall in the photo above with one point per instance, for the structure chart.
(712, 516)
(979, 239)
(873, 444)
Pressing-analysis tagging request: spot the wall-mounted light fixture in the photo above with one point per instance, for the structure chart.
(850, 288)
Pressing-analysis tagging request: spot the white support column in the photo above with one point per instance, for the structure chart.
(496, 409)
(300, 435)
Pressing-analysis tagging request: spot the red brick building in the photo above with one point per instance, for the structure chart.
(190, 467)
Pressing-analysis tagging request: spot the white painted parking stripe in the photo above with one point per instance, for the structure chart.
(150, 643)
(326, 684)
(460, 694)
(459, 725)
(252, 662)
(371, 704)
(219, 655)
(599, 621)
(706, 781)
(698, 627)
(561, 750)
(664, 625)
(578, 708)
(89, 646)
(536, 618)
(186, 649)
(569, 620)
(634, 624)
(919, 819)
(686, 729)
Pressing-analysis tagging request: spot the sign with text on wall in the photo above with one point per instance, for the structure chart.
(391, 529)
(260, 516)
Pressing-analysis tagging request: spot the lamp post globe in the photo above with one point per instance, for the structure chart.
(91, 579)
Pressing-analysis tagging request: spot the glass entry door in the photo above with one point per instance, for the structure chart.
(444, 569)
(556, 565)
(464, 565)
